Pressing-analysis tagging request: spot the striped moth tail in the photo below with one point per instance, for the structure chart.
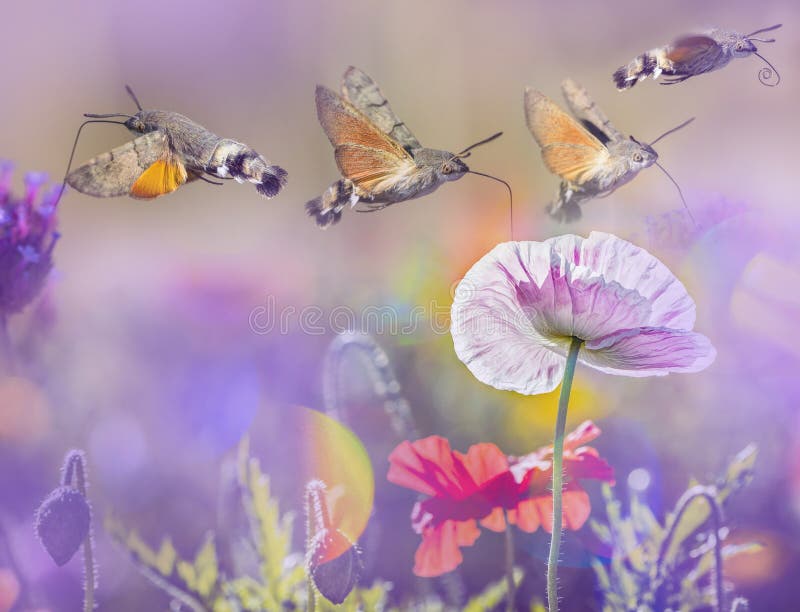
(566, 208)
(242, 163)
(252, 167)
(327, 208)
(641, 67)
(271, 181)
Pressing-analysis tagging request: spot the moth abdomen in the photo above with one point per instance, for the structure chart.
(234, 159)
(566, 208)
(327, 208)
(641, 67)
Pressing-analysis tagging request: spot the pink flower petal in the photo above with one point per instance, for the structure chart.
(440, 549)
(429, 466)
(581, 435)
(586, 308)
(484, 461)
(649, 352)
(517, 308)
(496, 339)
(632, 267)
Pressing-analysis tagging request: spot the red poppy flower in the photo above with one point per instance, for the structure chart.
(483, 483)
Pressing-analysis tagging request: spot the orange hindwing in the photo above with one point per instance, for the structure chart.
(162, 176)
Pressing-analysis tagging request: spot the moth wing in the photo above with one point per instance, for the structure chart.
(696, 53)
(345, 124)
(574, 163)
(114, 173)
(363, 93)
(587, 111)
(164, 175)
(568, 149)
(359, 143)
(370, 168)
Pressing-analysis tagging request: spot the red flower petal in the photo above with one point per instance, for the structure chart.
(430, 467)
(583, 433)
(495, 521)
(586, 464)
(440, 551)
(484, 462)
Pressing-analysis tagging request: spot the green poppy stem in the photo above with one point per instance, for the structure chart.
(558, 475)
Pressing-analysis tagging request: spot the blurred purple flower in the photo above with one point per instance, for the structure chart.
(27, 238)
(518, 308)
(677, 230)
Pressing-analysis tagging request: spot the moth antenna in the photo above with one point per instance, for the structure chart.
(107, 116)
(680, 193)
(765, 40)
(767, 73)
(769, 29)
(465, 152)
(675, 129)
(510, 194)
(133, 95)
(72, 153)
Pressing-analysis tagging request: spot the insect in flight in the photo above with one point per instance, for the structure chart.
(696, 54)
(381, 161)
(590, 156)
(168, 151)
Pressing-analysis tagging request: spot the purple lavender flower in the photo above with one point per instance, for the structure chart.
(27, 238)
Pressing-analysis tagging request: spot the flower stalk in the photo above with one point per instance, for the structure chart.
(558, 474)
(509, 564)
(74, 471)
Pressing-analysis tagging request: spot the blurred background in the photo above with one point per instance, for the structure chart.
(170, 328)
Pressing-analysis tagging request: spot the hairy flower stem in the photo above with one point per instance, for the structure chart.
(558, 475)
(75, 467)
(686, 500)
(312, 596)
(509, 565)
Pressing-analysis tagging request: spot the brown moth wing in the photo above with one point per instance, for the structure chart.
(584, 108)
(162, 176)
(568, 149)
(363, 93)
(357, 141)
(371, 169)
(114, 173)
(696, 49)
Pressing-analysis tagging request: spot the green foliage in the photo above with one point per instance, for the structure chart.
(494, 594)
(279, 583)
(671, 566)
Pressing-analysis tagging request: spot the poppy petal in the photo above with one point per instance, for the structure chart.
(429, 466)
(649, 351)
(439, 552)
(484, 462)
(633, 268)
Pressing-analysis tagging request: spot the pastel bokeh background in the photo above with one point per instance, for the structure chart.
(159, 339)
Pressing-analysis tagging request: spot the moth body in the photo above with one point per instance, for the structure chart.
(590, 156)
(381, 161)
(422, 179)
(691, 55)
(169, 150)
